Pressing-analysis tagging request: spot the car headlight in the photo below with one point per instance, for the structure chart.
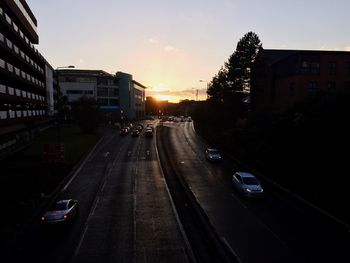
(248, 190)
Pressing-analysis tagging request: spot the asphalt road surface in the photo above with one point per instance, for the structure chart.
(126, 213)
(274, 228)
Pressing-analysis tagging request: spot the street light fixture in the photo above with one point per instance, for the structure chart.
(207, 85)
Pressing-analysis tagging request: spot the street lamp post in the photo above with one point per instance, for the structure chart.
(207, 85)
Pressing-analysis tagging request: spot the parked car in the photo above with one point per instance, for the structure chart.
(248, 184)
(212, 155)
(62, 212)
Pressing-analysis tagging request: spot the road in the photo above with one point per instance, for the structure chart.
(127, 214)
(275, 228)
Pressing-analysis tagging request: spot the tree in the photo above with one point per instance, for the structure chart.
(236, 75)
(217, 86)
(241, 62)
(86, 113)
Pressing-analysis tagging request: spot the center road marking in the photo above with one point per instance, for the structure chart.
(230, 248)
(76, 252)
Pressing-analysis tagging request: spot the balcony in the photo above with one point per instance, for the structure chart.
(19, 55)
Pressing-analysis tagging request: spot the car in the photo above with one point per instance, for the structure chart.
(124, 131)
(62, 212)
(247, 184)
(212, 155)
(135, 133)
(149, 132)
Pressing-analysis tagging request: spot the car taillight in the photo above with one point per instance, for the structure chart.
(42, 218)
(65, 217)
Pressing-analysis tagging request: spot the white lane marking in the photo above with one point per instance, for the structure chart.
(104, 184)
(76, 252)
(81, 166)
(94, 208)
(148, 152)
(231, 249)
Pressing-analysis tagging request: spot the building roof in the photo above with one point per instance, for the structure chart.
(275, 55)
(84, 72)
(139, 84)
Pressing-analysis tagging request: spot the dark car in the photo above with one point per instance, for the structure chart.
(248, 184)
(124, 131)
(149, 132)
(62, 212)
(135, 133)
(213, 155)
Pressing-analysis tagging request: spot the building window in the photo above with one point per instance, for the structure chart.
(332, 66)
(315, 67)
(102, 92)
(113, 92)
(305, 67)
(113, 102)
(347, 67)
(73, 91)
(313, 87)
(331, 86)
(102, 102)
(347, 87)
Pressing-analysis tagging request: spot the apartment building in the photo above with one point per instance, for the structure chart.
(290, 75)
(23, 76)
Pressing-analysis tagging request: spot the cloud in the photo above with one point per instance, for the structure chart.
(169, 48)
(176, 95)
(152, 40)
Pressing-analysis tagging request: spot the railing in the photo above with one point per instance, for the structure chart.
(18, 51)
(20, 33)
(15, 114)
(20, 93)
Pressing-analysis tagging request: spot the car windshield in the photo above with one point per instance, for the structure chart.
(60, 206)
(250, 181)
(214, 152)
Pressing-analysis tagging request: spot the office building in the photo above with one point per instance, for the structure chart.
(119, 96)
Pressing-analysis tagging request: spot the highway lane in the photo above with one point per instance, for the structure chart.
(40, 244)
(274, 229)
(125, 211)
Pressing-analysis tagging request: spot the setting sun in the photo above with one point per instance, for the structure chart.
(166, 97)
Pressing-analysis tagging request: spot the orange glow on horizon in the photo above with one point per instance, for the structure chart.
(168, 98)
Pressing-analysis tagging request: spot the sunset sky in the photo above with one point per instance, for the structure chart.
(169, 45)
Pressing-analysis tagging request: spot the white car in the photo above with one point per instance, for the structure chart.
(212, 155)
(61, 212)
(248, 184)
